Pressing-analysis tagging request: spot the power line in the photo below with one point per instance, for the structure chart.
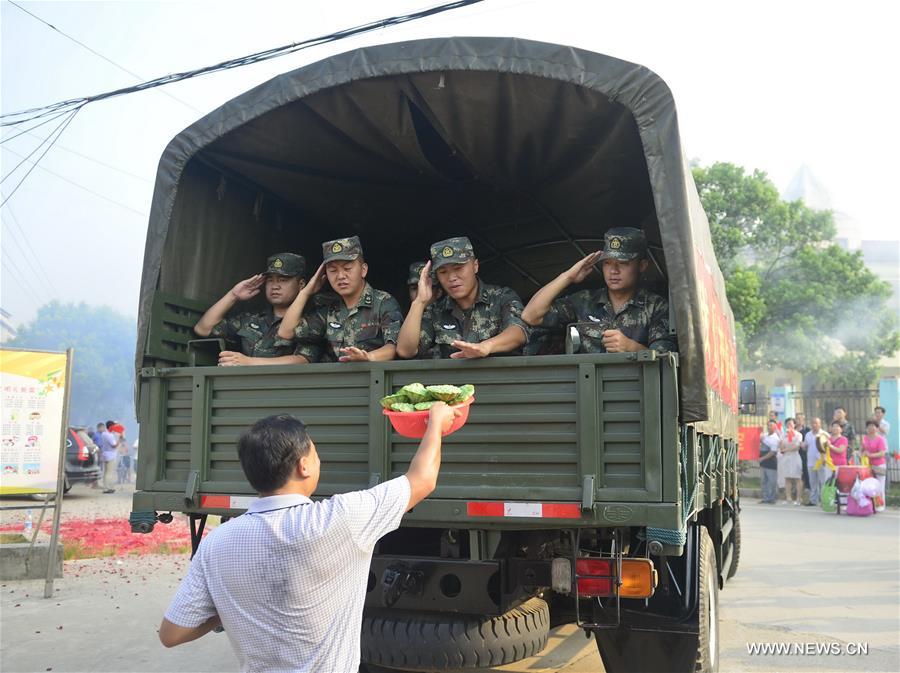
(29, 114)
(31, 128)
(81, 44)
(35, 163)
(19, 277)
(98, 162)
(64, 122)
(45, 277)
(82, 187)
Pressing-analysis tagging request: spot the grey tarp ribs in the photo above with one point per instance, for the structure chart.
(531, 149)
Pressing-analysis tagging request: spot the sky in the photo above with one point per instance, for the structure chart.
(767, 85)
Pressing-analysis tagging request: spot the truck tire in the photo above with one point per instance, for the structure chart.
(655, 647)
(708, 608)
(427, 642)
(735, 545)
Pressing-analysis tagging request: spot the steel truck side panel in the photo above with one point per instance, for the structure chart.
(538, 428)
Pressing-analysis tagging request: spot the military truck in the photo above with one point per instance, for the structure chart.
(595, 489)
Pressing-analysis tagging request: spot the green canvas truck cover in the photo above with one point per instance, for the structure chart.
(532, 150)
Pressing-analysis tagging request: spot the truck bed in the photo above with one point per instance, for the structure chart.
(575, 437)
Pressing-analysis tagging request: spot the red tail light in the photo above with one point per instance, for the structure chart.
(596, 577)
(83, 451)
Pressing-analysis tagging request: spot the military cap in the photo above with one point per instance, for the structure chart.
(342, 249)
(286, 264)
(624, 243)
(456, 250)
(415, 270)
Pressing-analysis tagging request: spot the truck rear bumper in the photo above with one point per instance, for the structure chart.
(445, 513)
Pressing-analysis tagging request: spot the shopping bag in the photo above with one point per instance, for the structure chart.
(861, 507)
(829, 493)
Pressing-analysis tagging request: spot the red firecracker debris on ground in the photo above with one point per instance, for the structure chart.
(83, 538)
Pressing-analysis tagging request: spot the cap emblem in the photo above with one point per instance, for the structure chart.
(447, 251)
(337, 247)
(278, 263)
(615, 243)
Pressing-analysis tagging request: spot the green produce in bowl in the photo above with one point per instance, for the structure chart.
(403, 406)
(390, 400)
(444, 393)
(465, 392)
(416, 392)
(425, 406)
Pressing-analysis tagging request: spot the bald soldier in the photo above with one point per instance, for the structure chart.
(255, 334)
(356, 324)
(472, 319)
(618, 318)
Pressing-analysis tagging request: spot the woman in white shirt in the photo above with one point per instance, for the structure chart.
(791, 464)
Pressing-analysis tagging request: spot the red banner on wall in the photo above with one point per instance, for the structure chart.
(748, 442)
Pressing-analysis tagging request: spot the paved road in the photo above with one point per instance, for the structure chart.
(805, 577)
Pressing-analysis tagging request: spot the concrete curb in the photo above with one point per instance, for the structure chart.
(17, 564)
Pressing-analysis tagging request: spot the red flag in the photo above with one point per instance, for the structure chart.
(748, 442)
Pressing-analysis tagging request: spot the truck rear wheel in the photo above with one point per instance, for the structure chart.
(427, 642)
(708, 609)
(658, 646)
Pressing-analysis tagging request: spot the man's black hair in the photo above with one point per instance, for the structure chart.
(109, 424)
(883, 410)
(270, 450)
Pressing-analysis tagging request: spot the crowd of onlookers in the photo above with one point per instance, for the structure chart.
(118, 458)
(796, 456)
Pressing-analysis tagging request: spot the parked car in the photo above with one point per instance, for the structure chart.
(82, 458)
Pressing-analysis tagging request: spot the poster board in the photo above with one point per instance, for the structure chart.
(32, 400)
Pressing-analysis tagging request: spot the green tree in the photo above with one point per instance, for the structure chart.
(103, 368)
(800, 301)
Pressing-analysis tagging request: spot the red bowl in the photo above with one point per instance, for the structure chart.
(414, 423)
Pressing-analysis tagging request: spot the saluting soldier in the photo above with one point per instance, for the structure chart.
(621, 317)
(355, 324)
(256, 333)
(472, 320)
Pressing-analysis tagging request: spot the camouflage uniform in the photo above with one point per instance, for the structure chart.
(256, 334)
(330, 325)
(644, 318)
(444, 322)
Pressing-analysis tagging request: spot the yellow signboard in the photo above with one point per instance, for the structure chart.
(32, 398)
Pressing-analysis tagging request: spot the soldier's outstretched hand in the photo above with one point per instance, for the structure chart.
(249, 287)
(232, 359)
(470, 350)
(582, 268)
(353, 354)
